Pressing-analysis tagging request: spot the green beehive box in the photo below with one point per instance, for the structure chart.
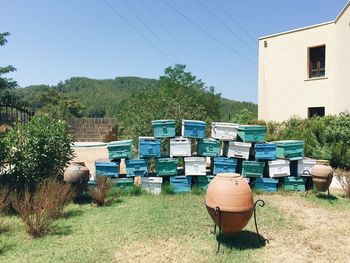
(119, 150)
(292, 183)
(166, 166)
(290, 149)
(209, 147)
(253, 169)
(164, 128)
(203, 181)
(124, 182)
(251, 133)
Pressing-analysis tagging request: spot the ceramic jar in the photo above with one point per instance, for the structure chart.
(322, 175)
(232, 195)
(78, 175)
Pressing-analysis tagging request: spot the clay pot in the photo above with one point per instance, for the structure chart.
(322, 175)
(78, 175)
(232, 194)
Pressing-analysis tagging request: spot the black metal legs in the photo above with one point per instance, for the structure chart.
(217, 211)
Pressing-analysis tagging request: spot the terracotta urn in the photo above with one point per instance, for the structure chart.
(232, 195)
(78, 175)
(322, 175)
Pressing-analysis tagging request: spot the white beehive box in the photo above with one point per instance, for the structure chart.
(304, 167)
(224, 131)
(152, 184)
(195, 165)
(237, 149)
(180, 147)
(279, 168)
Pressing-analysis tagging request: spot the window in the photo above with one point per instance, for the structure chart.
(317, 62)
(316, 111)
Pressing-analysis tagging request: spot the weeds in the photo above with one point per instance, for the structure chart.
(343, 178)
(40, 209)
(100, 191)
(167, 189)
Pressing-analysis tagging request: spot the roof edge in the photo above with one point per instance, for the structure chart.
(297, 29)
(342, 12)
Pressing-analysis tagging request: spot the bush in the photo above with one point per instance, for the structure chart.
(100, 191)
(167, 189)
(38, 150)
(4, 199)
(40, 209)
(344, 179)
(136, 190)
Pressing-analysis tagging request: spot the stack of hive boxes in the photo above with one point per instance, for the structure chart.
(193, 159)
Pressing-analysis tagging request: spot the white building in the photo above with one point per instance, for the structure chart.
(306, 71)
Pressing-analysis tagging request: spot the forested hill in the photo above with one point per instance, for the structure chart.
(100, 98)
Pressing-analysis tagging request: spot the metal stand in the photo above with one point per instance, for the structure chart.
(328, 178)
(217, 211)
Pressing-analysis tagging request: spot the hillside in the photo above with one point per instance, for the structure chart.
(101, 98)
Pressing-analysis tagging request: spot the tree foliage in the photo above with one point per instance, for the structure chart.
(179, 95)
(6, 83)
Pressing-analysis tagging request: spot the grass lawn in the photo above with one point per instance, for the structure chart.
(177, 228)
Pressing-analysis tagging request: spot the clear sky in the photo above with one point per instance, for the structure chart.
(53, 40)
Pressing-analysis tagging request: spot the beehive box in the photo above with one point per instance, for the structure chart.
(292, 183)
(224, 165)
(180, 184)
(195, 166)
(224, 131)
(110, 169)
(152, 184)
(166, 166)
(137, 167)
(149, 147)
(193, 129)
(251, 133)
(265, 151)
(120, 150)
(266, 184)
(124, 182)
(209, 147)
(304, 167)
(253, 169)
(290, 149)
(237, 149)
(180, 147)
(164, 128)
(203, 181)
(279, 168)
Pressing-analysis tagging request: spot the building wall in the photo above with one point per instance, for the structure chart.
(284, 85)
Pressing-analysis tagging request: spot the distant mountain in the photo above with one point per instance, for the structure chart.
(102, 97)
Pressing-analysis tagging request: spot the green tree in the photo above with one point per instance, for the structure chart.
(6, 83)
(178, 95)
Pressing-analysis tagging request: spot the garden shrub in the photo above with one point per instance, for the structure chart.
(38, 150)
(40, 209)
(167, 189)
(136, 190)
(343, 178)
(4, 199)
(100, 191)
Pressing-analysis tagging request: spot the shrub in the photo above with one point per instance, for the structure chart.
(136, 190)
(196, 190)
(100, 191)
(4, 199)
(40, 209)
(167, 189)
(39, 149)
(344, 180)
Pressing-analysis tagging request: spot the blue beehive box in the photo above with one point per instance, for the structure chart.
(266, 184)
(265, 151)
(120, 150)
(224, 165)
(193, 129)
(149, 147)
(137, 167)
(164, 128)
(181, 184)
(110, 169)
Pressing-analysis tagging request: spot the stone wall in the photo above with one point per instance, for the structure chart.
(93, 129)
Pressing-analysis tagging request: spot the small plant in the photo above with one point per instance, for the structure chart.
(136, 190)
(196, 190)
(4, 199)
(343, 178)
(167, 189)
(100, 191)
(40, 209)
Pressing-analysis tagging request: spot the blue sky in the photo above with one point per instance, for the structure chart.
(53, 40)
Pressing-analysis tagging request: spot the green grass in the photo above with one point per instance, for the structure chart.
(146, 228)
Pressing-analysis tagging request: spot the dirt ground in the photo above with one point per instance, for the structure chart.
(322, 235)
